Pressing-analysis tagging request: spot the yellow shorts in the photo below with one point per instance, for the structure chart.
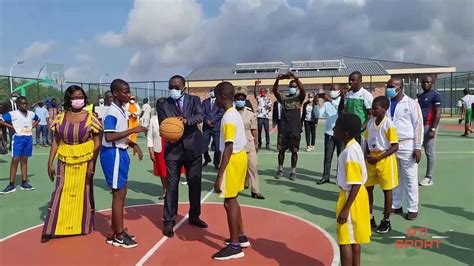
(234, 175)
(384, 173)
(357, 228)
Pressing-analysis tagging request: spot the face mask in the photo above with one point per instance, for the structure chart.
(262, 93)
(334, 94)
(78, 103)
(292, 90)
(211, 94)
(101, 101)
(14, 98)
(175, 94)
(240, 103)
(311, 98)
(390, 92)
(132, 101)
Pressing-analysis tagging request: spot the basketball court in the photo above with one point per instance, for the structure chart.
(294, 225)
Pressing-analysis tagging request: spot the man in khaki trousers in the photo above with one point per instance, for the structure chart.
(250, 123)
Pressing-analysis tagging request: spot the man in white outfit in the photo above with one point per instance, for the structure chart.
(405, 112)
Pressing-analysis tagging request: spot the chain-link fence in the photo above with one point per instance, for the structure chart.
(450, 86)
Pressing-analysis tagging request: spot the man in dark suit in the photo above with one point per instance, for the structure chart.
(211, 128)
(186, 152)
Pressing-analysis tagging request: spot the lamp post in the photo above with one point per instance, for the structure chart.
(11, 82)
(100, 82)
(11, 78)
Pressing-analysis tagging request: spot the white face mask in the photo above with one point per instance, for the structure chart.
(132, 101)
(211, 94)
(175, 94)
(101, 101)
(334, 94)
(14, 98)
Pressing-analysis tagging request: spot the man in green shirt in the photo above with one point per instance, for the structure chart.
(357, 100)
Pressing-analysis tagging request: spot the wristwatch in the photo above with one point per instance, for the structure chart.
(433, 129)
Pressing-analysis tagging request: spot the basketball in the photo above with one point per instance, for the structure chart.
(171, 129)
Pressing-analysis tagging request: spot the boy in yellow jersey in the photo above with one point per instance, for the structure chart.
(352, 209)
(232, 171)
(382, 143)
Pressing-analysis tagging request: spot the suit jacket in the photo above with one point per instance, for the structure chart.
(213, 113)
(192, 143)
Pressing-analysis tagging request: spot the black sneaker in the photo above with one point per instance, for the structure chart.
(279, 174)
(244, 241)
(384, 227)
(125, 231)
(411, 215)
(26, 186)
(122, 240)
(373, 224)
(398, 211)
(8, 189)
(228, 253)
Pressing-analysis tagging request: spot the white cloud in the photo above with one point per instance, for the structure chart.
(83, 58)
(79, 73)
(174, 34)
(110, 39)
(37, 50)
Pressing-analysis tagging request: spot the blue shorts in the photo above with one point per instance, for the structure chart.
(115, 164)
(22, 146)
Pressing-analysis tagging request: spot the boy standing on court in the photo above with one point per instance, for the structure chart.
(382, 143)
(20, 121)
(232, 171)
(115, 160)
(352, 208)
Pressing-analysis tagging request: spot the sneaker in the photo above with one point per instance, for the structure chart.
(8, 189)
(398, 211)
(123, 240)
(244, 241)
(293, 176)
(26, 186)
(373, 224)
(384, 227)
(279, 174)
(110, 238)
(426, 182)
(184, 182)
(308, 149)
(125, 231)
(411, 215)
(228, 253)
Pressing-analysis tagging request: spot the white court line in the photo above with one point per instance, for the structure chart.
(440, 237)
(335, 246)
(164, 238)
(305, 153)
(398, 237)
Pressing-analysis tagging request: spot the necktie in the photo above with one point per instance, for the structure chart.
(179, 105)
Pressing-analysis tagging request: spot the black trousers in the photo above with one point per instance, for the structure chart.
(263, 123)
(310, 132)
(194, 174)
(208, 133)
(330, 144)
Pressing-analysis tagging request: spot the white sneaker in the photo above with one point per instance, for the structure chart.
(308, 149)
(426, 182)
(312, 148)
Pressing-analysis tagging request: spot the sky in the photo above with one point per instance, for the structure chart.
(154, 39)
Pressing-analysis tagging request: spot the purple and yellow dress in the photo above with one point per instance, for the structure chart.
(71, 209)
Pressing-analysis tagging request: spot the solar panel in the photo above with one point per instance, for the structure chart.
(317, 64)
(263, 66)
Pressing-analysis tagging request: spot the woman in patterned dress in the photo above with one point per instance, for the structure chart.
(77, 139)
